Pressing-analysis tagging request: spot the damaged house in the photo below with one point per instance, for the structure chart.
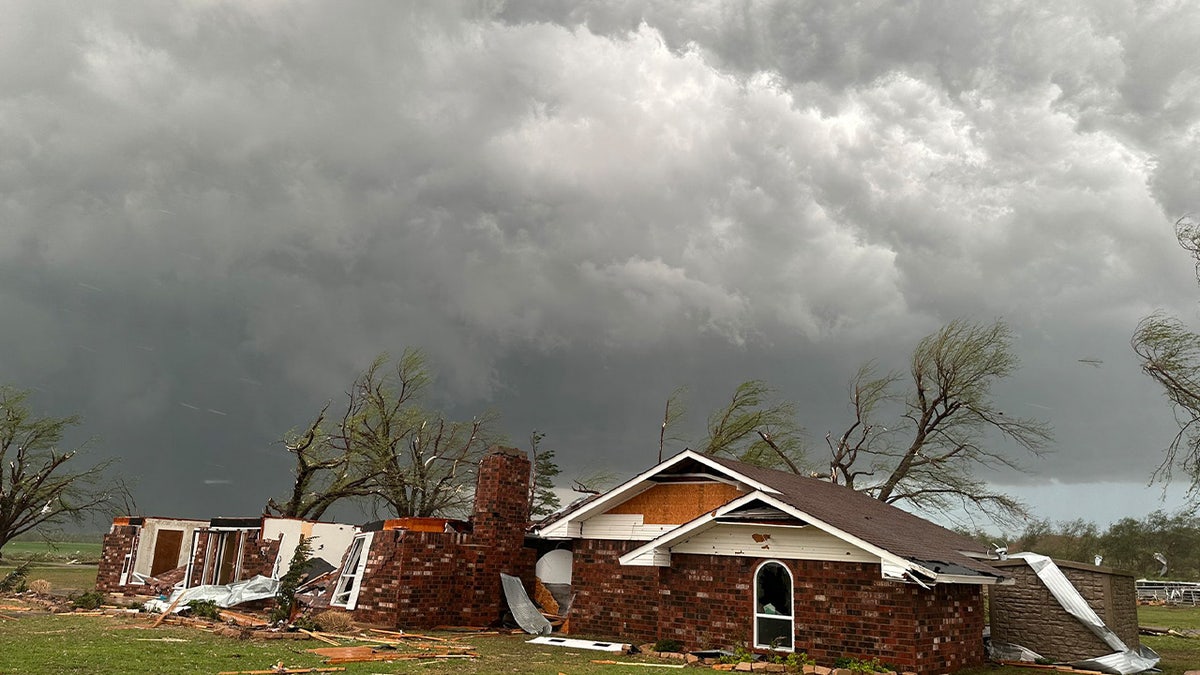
(149, 555)
(707, 551)
(714, 552)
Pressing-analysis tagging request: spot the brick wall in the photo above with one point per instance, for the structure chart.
(119, 542)
(842, 609)
(1027, 614)
(424, 579)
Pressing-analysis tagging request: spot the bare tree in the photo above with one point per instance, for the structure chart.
(1169, 353)
(932, 454)
(38, 484)
(673, 413)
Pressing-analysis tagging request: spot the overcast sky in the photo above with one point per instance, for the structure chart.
(214, 214)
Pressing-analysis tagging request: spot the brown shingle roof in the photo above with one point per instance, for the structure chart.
(869, 519)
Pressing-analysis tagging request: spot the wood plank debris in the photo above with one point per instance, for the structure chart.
(609, 662)
(282, 670)
(1049, 666)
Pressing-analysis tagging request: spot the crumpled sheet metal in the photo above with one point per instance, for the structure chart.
(528, 617)
(1124, 661)
(255, 588)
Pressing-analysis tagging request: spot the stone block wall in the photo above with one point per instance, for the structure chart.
(842, 609)
(1026, 613)
(119, 542)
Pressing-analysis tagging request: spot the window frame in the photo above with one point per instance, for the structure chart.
(790, 617)
(349, 583)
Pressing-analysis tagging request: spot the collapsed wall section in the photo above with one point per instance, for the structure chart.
(413, 577)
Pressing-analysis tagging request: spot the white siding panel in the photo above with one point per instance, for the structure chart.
(628, 527)
(806, 543)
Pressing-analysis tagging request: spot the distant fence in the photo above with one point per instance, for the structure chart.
(1170, 592)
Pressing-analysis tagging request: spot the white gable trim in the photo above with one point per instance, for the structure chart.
(657, 551)
(568, 526)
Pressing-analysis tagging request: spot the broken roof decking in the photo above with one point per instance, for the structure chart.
(898, 538)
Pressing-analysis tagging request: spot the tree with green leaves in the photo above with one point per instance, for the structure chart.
(41, 485)
(388, 450)
(324, 474)
(1169, 353)
(756, 428)
(946, 430)
(542, 499)
(422, 462)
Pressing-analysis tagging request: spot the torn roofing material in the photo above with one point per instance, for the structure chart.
(1123, 661)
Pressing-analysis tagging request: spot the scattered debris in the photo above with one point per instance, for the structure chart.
(523, 610)
(606, 662)
(581, 644)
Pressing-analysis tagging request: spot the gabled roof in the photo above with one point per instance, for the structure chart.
(558, 524)
(851, 515)
(869, 519)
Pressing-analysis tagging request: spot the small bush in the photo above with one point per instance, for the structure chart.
(306, 622)
(740, 655)
(40, 586)
(860, 666)
(333, 621)
(14, 581)
(87, 600)
(668, 645)
(204, 609)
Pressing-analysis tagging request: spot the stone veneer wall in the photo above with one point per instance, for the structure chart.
(842, 609)
(120, 541)
(1026, 613)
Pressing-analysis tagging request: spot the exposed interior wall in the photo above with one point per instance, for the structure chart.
(1026, 613)
(151, 546)
(330, 540)
(841, 608)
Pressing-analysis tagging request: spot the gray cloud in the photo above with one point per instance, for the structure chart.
(574, 208)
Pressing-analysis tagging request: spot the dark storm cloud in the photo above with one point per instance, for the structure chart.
(213, 214)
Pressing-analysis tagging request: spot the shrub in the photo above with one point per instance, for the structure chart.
(40, 586)
(334, 621)
(286, 606)
(87, 600)
(14, 581)
(668, 645)
(860, 666)
(204, 609)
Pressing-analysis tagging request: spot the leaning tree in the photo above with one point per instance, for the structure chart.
(42, 485)
(1169, 353)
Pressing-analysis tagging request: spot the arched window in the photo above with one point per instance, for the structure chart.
(774, 621)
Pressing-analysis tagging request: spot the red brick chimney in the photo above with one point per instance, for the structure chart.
(502, 497)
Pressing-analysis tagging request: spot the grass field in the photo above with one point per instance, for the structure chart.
(65, 644)
(101, 645)
(82, 551)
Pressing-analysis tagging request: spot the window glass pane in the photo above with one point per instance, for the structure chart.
(774, 633)
(773, 590)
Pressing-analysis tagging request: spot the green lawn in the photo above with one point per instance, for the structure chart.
(64, 644)
(81, 551)
(125, 644)
(64, 579)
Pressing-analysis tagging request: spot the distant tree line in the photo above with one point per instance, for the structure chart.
(1129, 544)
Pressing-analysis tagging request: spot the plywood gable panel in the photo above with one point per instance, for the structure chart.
(677, 503)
